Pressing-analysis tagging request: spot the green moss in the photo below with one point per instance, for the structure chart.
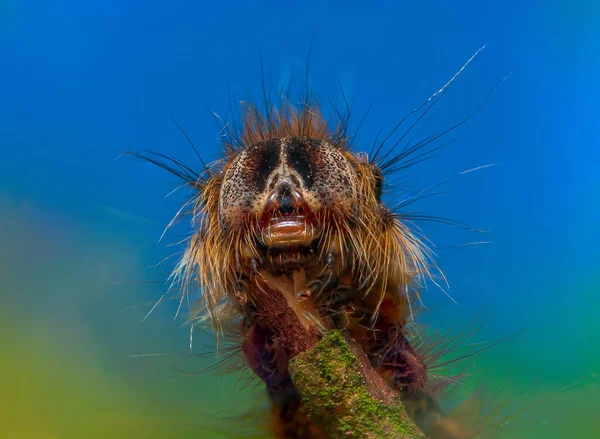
(337, 398)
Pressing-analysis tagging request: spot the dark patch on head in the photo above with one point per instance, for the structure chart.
(302, 152)
(262, 158)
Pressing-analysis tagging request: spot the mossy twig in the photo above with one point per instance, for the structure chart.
(340, 390)
(345, 396)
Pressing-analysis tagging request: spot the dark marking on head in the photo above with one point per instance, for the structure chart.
(323, 170)
(262, 158)
(302, 154)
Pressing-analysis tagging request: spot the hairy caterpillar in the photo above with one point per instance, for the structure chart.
(289, 198)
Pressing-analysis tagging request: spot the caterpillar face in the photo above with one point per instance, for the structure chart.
(284, 189)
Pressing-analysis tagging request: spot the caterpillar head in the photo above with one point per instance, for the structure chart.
(288, 196)
(286, 188)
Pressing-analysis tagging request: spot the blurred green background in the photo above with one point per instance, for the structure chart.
(66, 362)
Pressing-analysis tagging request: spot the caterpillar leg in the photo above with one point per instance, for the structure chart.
(269, 363)
(400, 365)
(404, 370)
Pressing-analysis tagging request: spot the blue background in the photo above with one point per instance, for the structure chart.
(82, 82)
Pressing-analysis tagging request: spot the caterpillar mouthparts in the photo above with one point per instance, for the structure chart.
(287, 220)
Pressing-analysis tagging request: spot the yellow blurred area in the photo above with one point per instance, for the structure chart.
(65, 364)
(50, 394)
(54, 394)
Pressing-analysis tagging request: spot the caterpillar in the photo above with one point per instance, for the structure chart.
(289, 197)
